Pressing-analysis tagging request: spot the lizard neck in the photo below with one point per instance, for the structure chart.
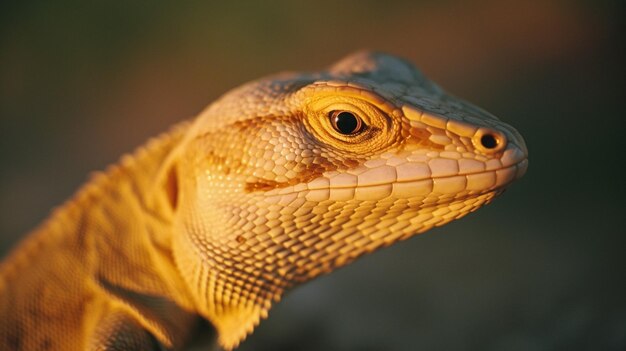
(131, 204)
(120, 224)
(137, 200)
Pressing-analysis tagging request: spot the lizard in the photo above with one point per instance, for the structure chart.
(277, 182)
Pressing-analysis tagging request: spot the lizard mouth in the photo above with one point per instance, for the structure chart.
(451, 187)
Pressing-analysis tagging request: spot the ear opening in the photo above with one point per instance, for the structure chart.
(166, 186)
(171, 187)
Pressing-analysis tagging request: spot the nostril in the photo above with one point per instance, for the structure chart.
(489, 141)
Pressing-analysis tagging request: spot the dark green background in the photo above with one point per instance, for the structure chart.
(542, 268)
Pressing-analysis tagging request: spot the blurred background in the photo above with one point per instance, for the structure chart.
(542, 268)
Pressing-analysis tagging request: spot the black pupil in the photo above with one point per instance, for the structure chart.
(488, 141)
(346, 123)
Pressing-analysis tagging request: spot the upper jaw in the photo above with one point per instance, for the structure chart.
(414, 176)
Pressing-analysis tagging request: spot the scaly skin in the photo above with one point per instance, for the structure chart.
(261, 192)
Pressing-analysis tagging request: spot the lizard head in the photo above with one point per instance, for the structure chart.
(293, 176)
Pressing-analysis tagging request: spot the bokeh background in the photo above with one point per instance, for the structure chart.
(542, 268)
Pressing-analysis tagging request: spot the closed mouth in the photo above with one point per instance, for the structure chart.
(503, 176)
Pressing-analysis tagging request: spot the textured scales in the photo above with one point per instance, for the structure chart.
(261, 192)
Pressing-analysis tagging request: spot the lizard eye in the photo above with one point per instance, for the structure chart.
(346, 123)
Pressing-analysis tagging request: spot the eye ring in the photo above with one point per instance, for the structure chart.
(346, 122)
